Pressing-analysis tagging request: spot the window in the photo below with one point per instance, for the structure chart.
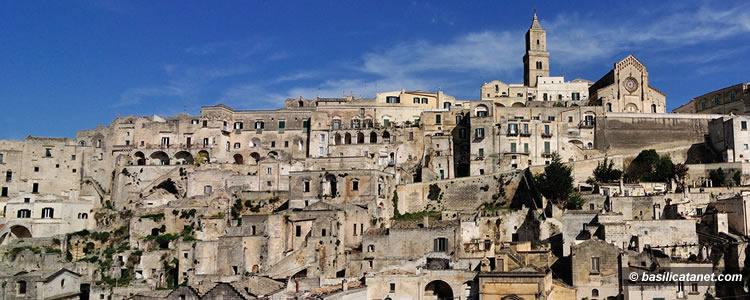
(547, 148)
(23, 214)
(693, 287)
(83, 216)
(544, 96)
(438, 119)
(297, 231)
(570, 119)
(48, 213)
(481, 152)
(36, 169)
(8, 175)
(525, 147)
(238, 125)
(356, 123)
(512, 147)
(21, 287)
(416, 100)
(48, 152)
(391, 287)
(306, 185)
(35, 188)
(4, 192)
(539, 66)
(440, 245)
(336, 124)
(205, 142)
(595, 265)
(355, 230)
(653, 108)
(479, 133)
(207, 190)
(575, 96)
(282, 124)
(594, 293)
(2, 158)
(512, 128)
(743, 125)
(355, 185)
(546, 129)
(237, 145)
(424, 101)
(392, 99)
(259, 125)
(269, 171)
(609, 107)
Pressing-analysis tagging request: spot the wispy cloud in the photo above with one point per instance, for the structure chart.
(458, 64)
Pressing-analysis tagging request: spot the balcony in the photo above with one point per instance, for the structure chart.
(546, 154)
(586, 125)
(512, 133)
(546, 135)
(525, 134)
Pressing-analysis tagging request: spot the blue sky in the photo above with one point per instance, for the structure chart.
(71, 65)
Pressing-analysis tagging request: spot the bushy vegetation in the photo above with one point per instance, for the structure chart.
(650, 166)
(417, 215)
(605, 172)
(556, 183)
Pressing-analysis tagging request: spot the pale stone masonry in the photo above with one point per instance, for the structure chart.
(405, 195)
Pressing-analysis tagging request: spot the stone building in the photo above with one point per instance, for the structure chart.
(734, 99)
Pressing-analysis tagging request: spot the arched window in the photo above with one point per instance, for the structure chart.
(83, 216)
(594, 293)
(347, 138)
(237, 145)
(360, 138)
(48, 213)
(337, 139)
(609, 107)
(373, 137)
(425, 101)
(386, 137)
(653, 108)
(23, 214)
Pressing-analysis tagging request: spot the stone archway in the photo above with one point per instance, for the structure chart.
(439, 290)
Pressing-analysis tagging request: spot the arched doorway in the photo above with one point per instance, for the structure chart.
(184, 158)
(255, 156)
(20, 231)
(238, 159)
(140, 158)
(439, 290)
(160, 157)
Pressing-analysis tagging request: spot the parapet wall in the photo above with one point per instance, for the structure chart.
(624, 132)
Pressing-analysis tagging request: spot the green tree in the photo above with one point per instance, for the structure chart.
(680, 172)
(663, 170)
(718, 177)
(649, 166)
(606, 172)
(737, 178)
(556, 183)
(642, 165)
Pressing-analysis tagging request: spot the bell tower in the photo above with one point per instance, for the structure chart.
(536, 59)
